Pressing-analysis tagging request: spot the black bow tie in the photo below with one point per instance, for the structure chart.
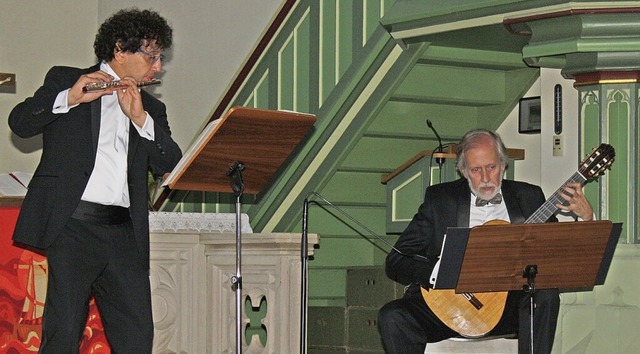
(497, 199)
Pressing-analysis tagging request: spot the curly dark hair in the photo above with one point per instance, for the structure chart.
(132, 28)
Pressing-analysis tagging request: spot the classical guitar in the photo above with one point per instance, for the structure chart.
(474, 315)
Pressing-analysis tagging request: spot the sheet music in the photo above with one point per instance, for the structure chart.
(193, 150)
(14, 184)
(436, 268)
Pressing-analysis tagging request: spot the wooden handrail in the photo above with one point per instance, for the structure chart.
(450, 152)
(253, 59)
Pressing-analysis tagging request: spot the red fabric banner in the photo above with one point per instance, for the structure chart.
(23, 287)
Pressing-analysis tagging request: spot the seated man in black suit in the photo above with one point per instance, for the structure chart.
(406, 325)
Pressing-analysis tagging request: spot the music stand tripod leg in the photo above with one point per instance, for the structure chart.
(304, 288)
(237, 184)
(530, 273)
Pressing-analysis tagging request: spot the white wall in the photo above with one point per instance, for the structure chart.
(212, 39)
(35, 35)
(540, 166)
(557, 170)
(527, 170)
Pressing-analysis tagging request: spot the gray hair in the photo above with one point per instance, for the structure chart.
(471, 139)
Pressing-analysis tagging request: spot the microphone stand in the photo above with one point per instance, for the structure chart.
(304, 288)
(530, 273)
(237, 184)
(439, 160)
(305, 260)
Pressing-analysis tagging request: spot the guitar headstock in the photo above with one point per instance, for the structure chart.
(596, 162)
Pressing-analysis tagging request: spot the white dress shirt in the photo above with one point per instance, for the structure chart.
(108, 181)
(480, 215)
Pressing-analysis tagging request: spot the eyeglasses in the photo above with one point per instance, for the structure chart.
(152, 58)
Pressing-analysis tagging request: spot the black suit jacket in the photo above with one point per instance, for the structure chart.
(448, 205)
(70, 143)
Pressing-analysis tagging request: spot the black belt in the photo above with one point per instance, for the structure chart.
(101, 214)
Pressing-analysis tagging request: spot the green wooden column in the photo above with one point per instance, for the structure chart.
(599, 47)
(608, 112)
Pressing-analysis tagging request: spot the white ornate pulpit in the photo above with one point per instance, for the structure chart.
(192, 261)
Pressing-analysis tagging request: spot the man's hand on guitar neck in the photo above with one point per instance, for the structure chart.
(578, 203)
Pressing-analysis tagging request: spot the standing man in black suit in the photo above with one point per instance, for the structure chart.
(406, 325)
(87, 203)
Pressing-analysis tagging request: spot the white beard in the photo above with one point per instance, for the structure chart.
(485, 196)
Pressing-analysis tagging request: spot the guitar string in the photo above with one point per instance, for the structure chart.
(549, 207)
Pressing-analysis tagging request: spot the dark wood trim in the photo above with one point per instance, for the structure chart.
(253, 58)
(450, 152)
(606, 77)
(386, 178)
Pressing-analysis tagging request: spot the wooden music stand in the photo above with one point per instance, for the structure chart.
(564, 255)
(262, 139)
(238, 153)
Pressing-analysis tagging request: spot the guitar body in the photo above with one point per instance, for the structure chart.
(459, 314)
(471, 315)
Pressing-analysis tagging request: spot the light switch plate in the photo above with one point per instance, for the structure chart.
(558, 145)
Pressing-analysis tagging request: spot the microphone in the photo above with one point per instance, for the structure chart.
(439, 160)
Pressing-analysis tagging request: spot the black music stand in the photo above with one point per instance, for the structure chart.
(239, 153)
(569, 256)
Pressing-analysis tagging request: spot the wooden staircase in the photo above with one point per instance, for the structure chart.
(372, 95)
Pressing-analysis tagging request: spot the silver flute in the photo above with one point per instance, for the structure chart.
(100, 86)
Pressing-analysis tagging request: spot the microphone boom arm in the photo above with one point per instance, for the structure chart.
(439, 160)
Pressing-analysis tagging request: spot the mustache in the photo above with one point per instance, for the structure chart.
(477, 190)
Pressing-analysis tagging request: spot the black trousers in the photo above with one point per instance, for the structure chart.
(102, 260)
(406, 325)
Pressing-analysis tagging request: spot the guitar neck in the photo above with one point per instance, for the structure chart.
(549, 208)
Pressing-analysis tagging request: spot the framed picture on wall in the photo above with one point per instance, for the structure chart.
(530, 116)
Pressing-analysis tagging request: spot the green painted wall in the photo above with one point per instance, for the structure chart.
(371, 97)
